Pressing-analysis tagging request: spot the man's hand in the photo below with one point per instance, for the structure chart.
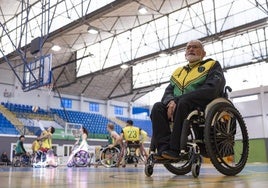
(170, 110)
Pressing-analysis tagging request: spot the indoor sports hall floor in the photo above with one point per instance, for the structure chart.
(252, 176)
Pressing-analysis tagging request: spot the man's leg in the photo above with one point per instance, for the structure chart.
(184, 107)
(161, 129)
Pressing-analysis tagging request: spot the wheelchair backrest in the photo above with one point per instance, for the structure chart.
(130, 144)
(223, 98)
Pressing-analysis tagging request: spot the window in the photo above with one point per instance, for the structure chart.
(118, 110)
(66, 103)
(94, 107)
(245, 98)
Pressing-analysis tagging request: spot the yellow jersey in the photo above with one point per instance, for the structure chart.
(131, 133)
(47, 142)
(143, 136)
(35, 146)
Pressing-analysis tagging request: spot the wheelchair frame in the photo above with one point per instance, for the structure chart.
(132, 153)
(47, 159)
(21, 160)
(218, 133)
(109, 157)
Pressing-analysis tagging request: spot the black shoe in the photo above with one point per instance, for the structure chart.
(171, 154)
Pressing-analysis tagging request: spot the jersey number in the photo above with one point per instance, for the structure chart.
(132, 134)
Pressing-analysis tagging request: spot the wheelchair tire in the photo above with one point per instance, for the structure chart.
(109, 156)
(81, 159)
(149, 170)
(180, 168)
(195, 170)
(226, 139)
(17, 163)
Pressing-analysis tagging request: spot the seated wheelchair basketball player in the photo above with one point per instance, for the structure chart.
(80, 155)
(110, 155)
(131, 148)
(192, 86)
(45, 155)
(22, 157)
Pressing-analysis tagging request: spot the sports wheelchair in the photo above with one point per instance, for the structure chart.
(45, 159)
(81, 158)
(132, 153)
(22, 160)
(218, 133)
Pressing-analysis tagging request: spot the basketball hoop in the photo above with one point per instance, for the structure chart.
(48, 88)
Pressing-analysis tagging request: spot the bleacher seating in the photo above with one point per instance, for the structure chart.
(96, 124)
(21, 108)
(6, 127)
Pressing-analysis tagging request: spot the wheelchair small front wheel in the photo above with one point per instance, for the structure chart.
(195, 170)
(149, 169)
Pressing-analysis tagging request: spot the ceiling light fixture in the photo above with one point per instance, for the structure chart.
(56, 48)
(142, 9)
(163, 54)
(124, 66)
(254, 60)
(92, 30)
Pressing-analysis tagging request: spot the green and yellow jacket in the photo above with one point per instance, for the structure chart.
(204, 80)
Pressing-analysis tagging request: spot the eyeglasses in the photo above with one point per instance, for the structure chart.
(192, 46)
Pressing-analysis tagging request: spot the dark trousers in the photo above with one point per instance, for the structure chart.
(163, 139)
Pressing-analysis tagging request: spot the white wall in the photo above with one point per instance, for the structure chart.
(255, 112)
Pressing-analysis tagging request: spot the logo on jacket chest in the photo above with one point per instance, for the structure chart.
(201, 69)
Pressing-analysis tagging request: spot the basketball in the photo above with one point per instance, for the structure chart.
(35, 108)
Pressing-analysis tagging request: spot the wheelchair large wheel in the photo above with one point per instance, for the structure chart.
(179, 168)
(109, 156)
(16, 162)
(81, 159)
(226, 139)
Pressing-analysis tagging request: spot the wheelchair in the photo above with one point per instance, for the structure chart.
(219, 133)
(45, 159)
(109, 157)
(81, 158)
(21, 160)
(132, 154)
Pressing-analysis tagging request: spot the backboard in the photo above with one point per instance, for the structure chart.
(37, 73)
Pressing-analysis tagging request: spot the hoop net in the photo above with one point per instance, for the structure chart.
(48, 88)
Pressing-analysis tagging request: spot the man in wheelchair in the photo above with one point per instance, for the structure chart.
(192, 86)
(22, 157)
(131, 135)
(45, 155)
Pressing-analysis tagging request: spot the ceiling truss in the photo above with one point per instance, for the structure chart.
(119, 24)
